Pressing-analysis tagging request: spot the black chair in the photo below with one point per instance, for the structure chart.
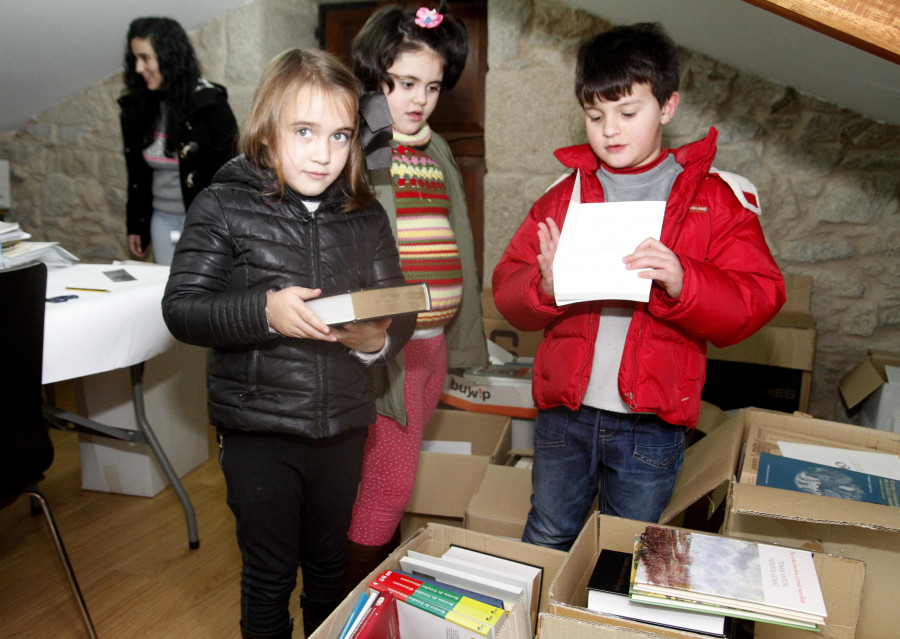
(26, 450)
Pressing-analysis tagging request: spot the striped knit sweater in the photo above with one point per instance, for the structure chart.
(428, 251)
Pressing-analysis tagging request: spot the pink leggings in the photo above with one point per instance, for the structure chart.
(392, 451)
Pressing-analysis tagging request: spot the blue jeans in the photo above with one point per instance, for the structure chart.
(633, 459)
(165, 229)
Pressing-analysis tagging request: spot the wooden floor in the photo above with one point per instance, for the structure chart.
(131, 558)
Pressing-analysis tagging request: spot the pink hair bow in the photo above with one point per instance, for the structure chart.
(428, 18)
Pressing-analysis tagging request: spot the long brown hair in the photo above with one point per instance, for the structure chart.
(276, 93)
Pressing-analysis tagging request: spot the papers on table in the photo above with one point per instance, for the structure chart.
(50, 253)
(11, 233)
(594, 239)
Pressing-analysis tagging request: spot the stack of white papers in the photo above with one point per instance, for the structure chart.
(10, 233)
(595, 237)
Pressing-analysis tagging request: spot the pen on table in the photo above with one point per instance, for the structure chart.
(93, 290)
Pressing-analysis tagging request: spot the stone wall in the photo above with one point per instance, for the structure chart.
(67, 172)
(828, 178)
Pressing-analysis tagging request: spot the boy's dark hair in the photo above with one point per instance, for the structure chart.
(180, 71)
(610, 62)
(392, 31)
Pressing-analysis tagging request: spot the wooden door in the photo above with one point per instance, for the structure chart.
(459, 116)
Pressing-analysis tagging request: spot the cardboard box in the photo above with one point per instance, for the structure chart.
(867, 532)
(445, 482)
(841, 580)
(868, 384)
(499, 331)
(484, 397)
(773, 367)
(434, 540)
(174, 394)
(501, 502)
(551, 626)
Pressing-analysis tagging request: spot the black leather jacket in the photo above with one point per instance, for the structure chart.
(207, 139)
(238, 244)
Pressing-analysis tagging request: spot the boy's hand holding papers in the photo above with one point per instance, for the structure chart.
(588, 263)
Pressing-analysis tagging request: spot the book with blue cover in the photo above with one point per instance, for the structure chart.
(776, 471)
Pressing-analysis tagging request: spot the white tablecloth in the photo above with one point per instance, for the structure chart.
(103, 331)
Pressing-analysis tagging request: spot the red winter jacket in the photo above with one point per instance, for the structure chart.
(732, 287)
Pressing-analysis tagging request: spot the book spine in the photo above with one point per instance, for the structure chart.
(472, 608)
(381, 623)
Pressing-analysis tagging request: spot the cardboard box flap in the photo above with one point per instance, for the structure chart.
(789, 504)
(830, 432)
(708, 464)
(867, 377)
(799, 293)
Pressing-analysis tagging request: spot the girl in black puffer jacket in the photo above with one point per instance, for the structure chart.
(289, 219)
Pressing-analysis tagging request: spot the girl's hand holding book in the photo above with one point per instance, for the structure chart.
(288, 314)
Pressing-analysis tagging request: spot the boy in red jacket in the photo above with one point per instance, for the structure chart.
(618, 383)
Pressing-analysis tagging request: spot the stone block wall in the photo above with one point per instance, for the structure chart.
(828, 178)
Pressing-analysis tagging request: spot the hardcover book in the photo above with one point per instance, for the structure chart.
(371, 303)
(608, 594)
(382, 621)
(731, 573)
(776, 471)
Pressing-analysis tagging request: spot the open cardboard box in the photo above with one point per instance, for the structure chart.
(434, 540)
(773, 367)
(841, 580)
(445, 482)
(868, 384)
(863, 531)
(502, 498)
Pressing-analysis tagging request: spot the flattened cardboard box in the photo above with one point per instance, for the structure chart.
(434, 540)
(841, 580)
(445, 482)
(867, 532)
(868, 384)
(499, 331)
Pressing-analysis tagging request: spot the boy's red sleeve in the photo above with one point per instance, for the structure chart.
(516, 280)
(732, 290)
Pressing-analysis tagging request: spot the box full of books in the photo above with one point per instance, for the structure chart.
(450, 582)
(679, 583)
(456, 448)
(824, 504)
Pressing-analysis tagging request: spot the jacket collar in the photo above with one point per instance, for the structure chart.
(582, 158)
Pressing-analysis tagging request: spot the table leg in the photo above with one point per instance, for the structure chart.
(137, 390)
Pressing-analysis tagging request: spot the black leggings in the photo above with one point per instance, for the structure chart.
(292, 499)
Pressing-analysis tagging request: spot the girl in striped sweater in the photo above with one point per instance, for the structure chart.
(411, 56)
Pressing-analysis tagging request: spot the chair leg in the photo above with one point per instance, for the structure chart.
(36, 494)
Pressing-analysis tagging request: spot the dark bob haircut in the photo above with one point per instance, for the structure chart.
(392, 31)
(611, 62)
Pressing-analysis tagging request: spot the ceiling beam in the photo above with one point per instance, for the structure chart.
(870, 25)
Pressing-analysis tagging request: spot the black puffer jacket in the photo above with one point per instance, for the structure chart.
(236, 245)
(207, 139)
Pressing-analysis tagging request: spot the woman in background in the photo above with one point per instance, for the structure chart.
(177, 130)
